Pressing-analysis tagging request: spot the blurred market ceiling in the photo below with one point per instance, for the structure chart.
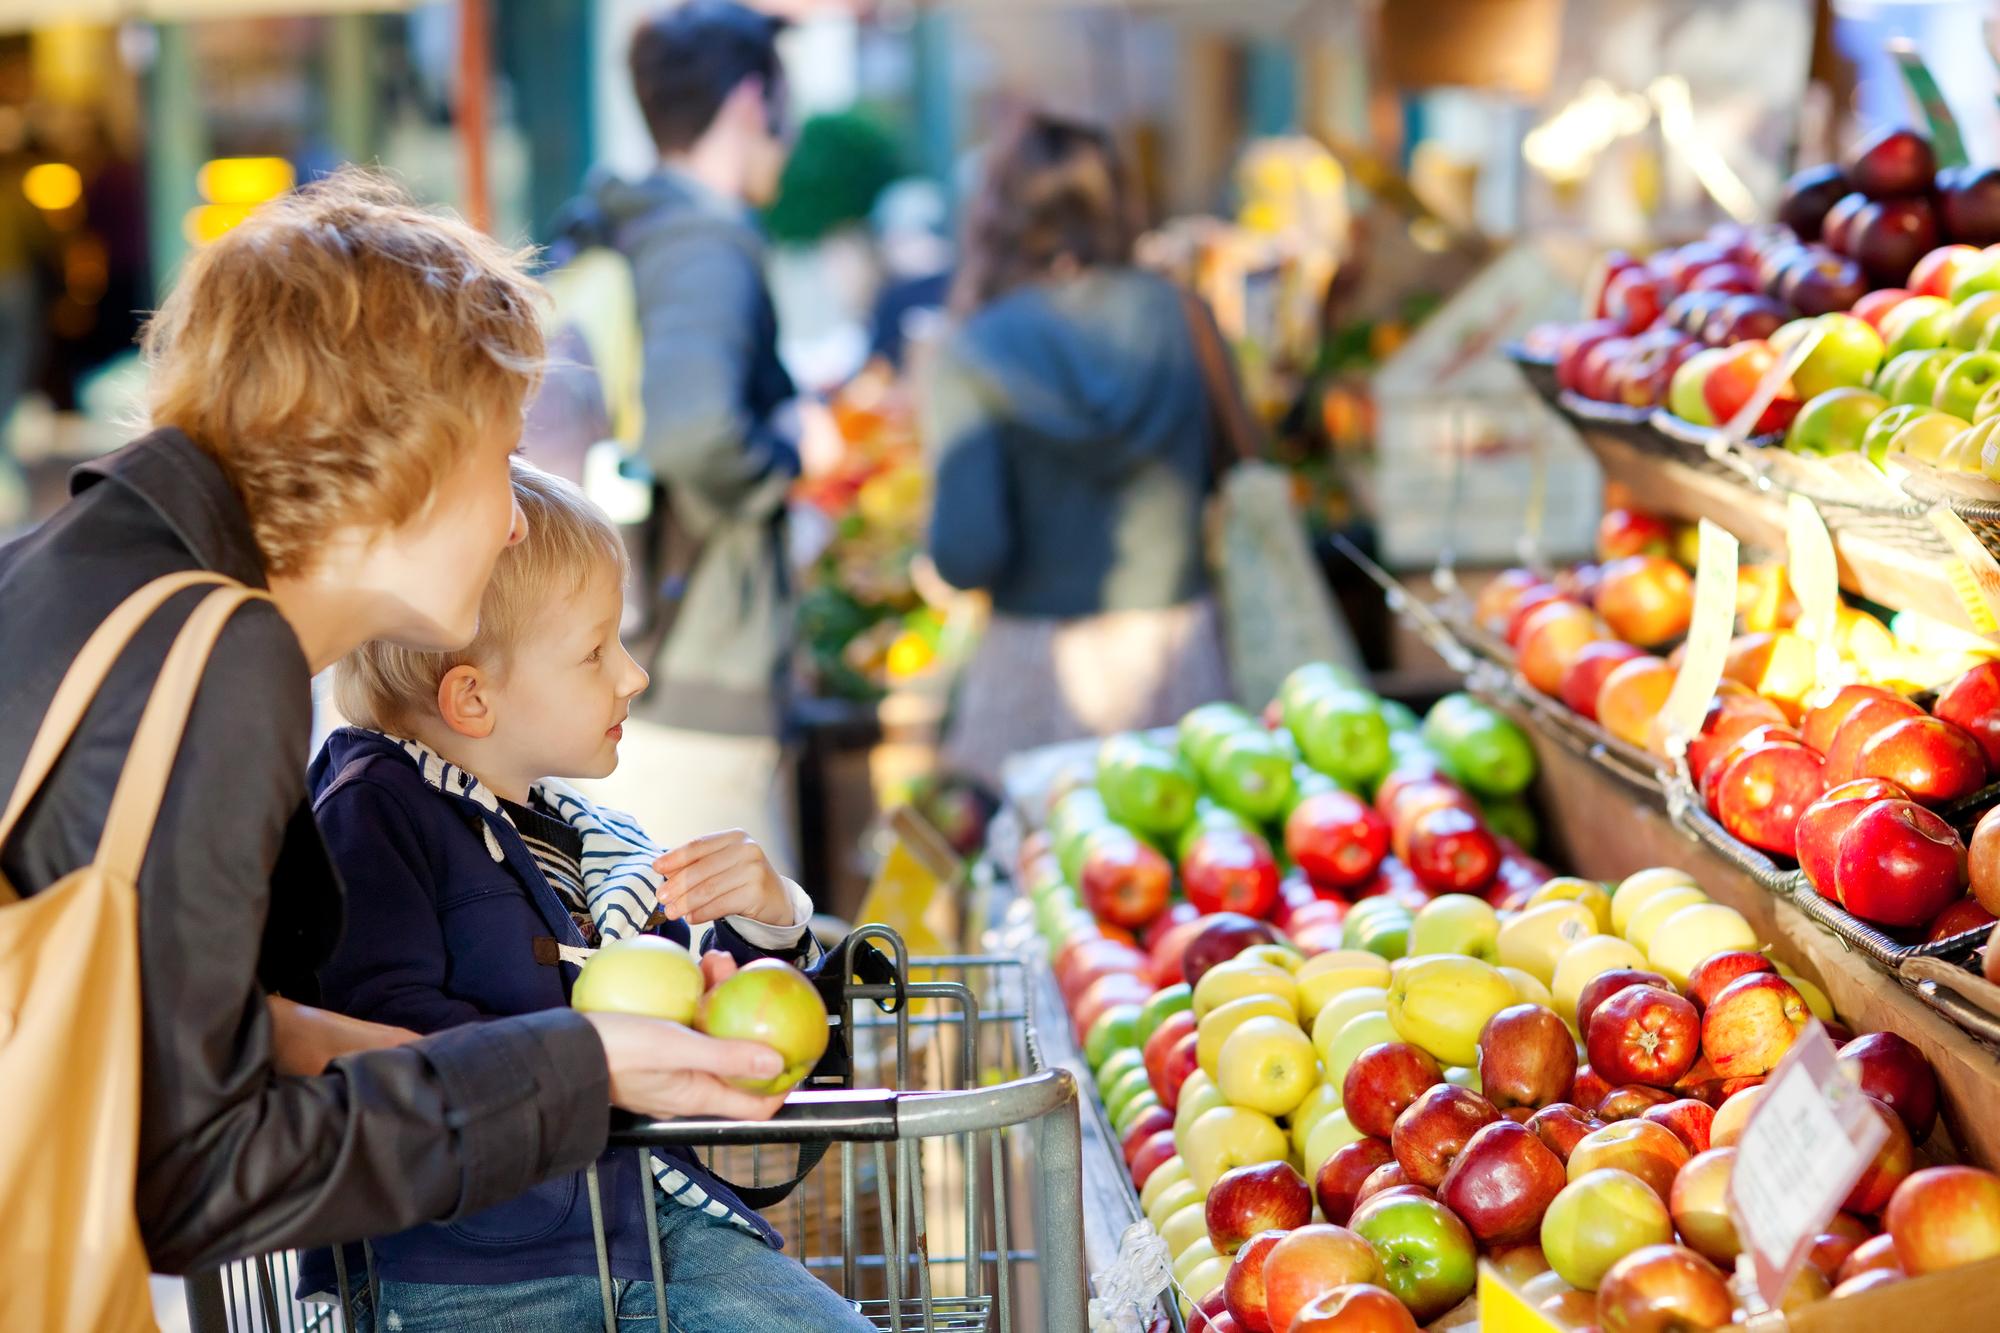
(18, 14)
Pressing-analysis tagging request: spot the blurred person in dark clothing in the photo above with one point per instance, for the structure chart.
(722, 425)
(1073, 441)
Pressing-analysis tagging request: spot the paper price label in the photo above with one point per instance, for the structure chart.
(1814, 573)
(1708, 637)
(1808, 1141)
(1974, 575)
(1503, 1309)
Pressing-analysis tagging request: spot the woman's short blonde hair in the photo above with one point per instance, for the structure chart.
(569, 543)
(338, 351)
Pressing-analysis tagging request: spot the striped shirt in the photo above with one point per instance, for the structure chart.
(558, 851)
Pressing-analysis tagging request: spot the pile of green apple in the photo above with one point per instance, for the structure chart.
(1558, 1085)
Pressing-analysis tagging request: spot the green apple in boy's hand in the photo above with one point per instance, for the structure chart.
(643, 975)
(773, 1003)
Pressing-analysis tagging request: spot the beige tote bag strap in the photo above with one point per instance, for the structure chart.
(86, 675)
(143, 782)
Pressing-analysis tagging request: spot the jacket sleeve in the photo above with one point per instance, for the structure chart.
(394, 970)
(746, 940)
(237, 1160)
(971, 532)
(699, 294)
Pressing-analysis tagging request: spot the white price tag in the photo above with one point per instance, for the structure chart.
(1708, 637)
(1807, 1142)
(1813, 571)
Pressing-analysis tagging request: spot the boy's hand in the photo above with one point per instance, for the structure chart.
(723, 874)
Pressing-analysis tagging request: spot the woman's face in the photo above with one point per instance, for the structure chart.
(435, 568)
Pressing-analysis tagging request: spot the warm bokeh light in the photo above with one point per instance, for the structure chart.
(52, 186)
(245, 180)
(205, 224)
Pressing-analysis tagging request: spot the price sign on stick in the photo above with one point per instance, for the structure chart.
(1974, 574)
(1707, 640)
(1503, 1309)
(1814, 573)
(1807, 1142)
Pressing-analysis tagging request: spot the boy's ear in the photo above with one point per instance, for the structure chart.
(463, 703)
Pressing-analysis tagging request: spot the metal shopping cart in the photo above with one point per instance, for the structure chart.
(949, 1196)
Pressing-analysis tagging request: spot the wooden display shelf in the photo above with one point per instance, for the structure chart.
(1606, 830)
(1884, 573)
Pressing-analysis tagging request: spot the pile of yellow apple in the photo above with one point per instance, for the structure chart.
(1557, 1088)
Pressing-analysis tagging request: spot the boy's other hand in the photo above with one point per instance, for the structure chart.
(723, 874)
(662, 1069)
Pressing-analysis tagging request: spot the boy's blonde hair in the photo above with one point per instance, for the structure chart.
(569, 542)
(337, 353)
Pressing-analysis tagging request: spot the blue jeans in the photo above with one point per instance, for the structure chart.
(720, 1279)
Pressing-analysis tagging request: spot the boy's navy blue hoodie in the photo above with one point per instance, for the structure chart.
(439, 933)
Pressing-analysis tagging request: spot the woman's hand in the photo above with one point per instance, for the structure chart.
(305, 1040)
(723, 874)
(662, 1069)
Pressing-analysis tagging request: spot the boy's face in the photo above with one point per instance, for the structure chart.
(559, 707)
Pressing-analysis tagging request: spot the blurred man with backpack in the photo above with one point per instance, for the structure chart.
(662, 293)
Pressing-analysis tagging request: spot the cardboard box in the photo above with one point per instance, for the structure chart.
(1948, 1302)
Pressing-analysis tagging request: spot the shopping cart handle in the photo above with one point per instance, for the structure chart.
(860, 1115)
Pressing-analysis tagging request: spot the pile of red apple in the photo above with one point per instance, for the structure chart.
(1854, 794)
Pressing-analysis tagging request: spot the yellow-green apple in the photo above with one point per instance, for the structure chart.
(1925, 436)
(1963, 381)
(1892, 1070)
(1562, 1125)
(1732, 1116)
(1429, 1259)
(1435, 1128)
(1267, 1196)
(1911, 379)
(1835, 421)
(1199, 1095)
(1699, 1202)
(1528, 989)
(1688, 1118)
(1349, 1040)
(1243, 1290)
(1536, 939)
(1935, 273)
(1170, 1173)
(1184, 1227)
(1973, 322)
(1268, 1065)
(1573, 889)
(1322, 1101)
(1634, 890)
(1598, 1219)
(1324, 976)
(1899, 864)
(1892, 1163)
(1849, 350)
(1442, 1003)
(1456, 923)
(1751, 1023)
(1685, 398)
(1917, 324)
(1337, 1184)
(1643, 1034)
(1228, 1137)
(641, 975)
(773, 1003)
(1944, 1217)
(1698, 931)
(1205, 1276)
(1585, 961)
(1219, 1024)
(1337, 1012)
(1311, 1261)
(1333, 1132)
(1875, 439)
(1663, 1287)
(1502, 1183)
(1646, 1150)
(1382, 1081)
(1527, 1058)
(1172, 1199)
(1240, 978)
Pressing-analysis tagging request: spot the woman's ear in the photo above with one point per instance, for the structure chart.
(464, 702)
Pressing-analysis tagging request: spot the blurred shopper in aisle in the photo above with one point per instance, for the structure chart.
(1074, 441)
(721, 427)
(335, 391)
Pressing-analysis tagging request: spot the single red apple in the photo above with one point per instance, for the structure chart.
(1962, 917)
(1382, 1081)
(1708, 780)
(1452, 851)
(1222, 936)
(1180, 1062)
(1763, 791)
(1730, 717)
(1607, 984)
(1594, 661)
(1243, 1288)
(1561, 1126)
(1829, 1252)
(1751, 1023)
(1383, 1179)
(1643, 1034)
(1687, 1118)
(1502, 1183)
(1435, 1128)
(1155, 1152)
(1943, 1217)
(1267, 1196)
(1935, 761)
(1526, 1058)
(1125, 880)
(1589, 1089)
(1337, 1186)
(1893, 1071)
(1825, 820)
(1717, 970)
(1230, 870)
(1630, 1101)
(1892, 1164)
(1310, 1262)
(1358, 1307)
(1150, 1122)
(1664, 1287)
(1876, 1254)
(1822, 723)
(1337, 839)
(1649, 1151)
(1866, 718)
(1161, 1044)
(1973, 702)
(1899, 864)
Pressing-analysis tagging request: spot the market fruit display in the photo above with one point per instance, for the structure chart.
(1376, 1081)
